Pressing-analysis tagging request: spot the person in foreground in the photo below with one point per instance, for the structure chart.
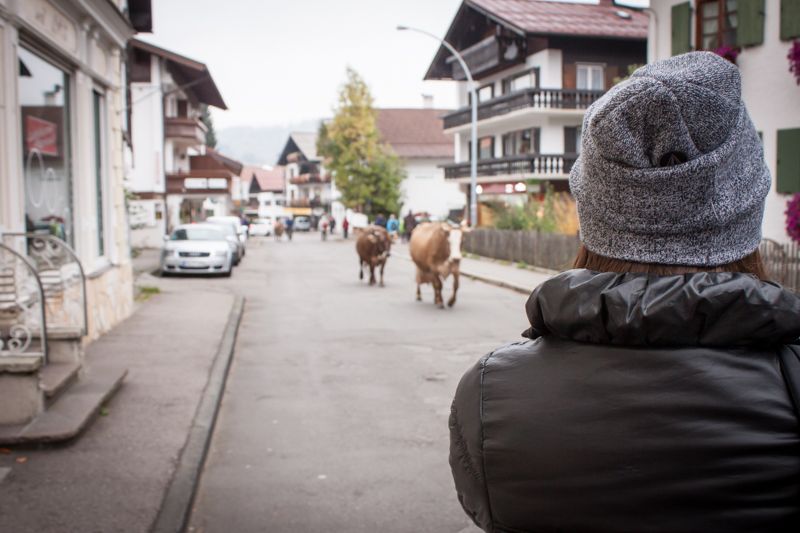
(654, 390)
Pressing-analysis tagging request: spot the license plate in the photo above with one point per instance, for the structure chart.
(192, 264)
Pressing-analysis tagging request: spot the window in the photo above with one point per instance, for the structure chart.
(521, 142)
(518, 82)
(716, 24)
(572, 140)
(485, 94)
(788, 167)
(485, 148)
(590, 77)
(44, 110)
(99, 119)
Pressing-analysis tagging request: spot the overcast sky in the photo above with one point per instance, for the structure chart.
(282, 61)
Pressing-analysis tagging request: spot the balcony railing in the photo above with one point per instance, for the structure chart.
(534, 98)
(187, 129)
(304, 179)
(555, 165)
(306, 202)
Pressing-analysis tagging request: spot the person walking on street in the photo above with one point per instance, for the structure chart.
(410, 224)
(289, 227)
(658, 387)
(380, 220)
(392, 226)
(345, 226)
(323, 227)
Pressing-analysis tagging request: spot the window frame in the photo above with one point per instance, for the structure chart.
(722, 28)
(506, 82)
(536, 135)
(101, 169)
(591, 66)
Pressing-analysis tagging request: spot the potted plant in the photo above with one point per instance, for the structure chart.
(793, 217)
(794, 60)
(728, 52)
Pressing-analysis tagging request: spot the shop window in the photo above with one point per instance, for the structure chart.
(99, 120)
(519, 82)
(716, 24)
(43, 92)
(521, 142)
(590, 77)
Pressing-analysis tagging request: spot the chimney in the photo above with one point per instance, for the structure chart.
(427, 101)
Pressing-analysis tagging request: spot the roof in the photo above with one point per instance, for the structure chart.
(213, 160)
(415, 133)
(192, 75)
(563, 18)
(304, 142)
(268, 179)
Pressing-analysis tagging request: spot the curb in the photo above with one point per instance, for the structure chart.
(484, 279)
(176, 506)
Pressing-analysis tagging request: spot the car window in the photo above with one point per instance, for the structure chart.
(196, 234)
(226, 227)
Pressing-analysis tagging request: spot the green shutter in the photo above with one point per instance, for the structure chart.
(681, 28)
(750, 15)
(788, 169)
(790, 19)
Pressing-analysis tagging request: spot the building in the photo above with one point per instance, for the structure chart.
(762, 31)
(262, 191)
(64, 125)
(538, 66)
(309, 187)
(167, 93)
(416, 136)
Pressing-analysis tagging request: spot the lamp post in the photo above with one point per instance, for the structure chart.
(473, 160)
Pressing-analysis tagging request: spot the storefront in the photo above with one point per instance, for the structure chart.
(62, 129)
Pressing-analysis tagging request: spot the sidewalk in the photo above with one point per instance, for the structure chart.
(114, 476)
(502, 274)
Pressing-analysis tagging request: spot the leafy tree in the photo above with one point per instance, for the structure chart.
(367, 172)
(211, 135)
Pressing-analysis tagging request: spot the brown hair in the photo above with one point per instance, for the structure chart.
(587, 259)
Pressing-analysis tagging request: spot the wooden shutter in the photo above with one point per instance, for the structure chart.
(681, 28)
(788, 168)
(750, 16)
(790, 19)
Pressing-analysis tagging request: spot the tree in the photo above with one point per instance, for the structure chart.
(367, 172)
(211, 135)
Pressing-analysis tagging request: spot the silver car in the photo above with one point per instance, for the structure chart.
(232, 234)
(197, 249)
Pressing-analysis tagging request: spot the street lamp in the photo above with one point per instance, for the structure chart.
(473, 160)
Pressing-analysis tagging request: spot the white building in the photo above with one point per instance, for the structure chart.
(539, 65)
(763, 31)
(62, 136)
(416, 136)
(167, 91)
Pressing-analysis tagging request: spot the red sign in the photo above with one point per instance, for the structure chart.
(41, 135)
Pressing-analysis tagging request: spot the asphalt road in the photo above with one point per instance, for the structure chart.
(335, 412)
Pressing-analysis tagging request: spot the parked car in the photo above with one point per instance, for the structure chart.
(197, 249)
(236, 222)
(262, 226)
(302, 223)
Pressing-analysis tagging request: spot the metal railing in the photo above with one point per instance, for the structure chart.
(534, 97)
(527, 164)
(23, 322)
(62, 278)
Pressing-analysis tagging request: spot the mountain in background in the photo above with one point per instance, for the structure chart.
(258, 145)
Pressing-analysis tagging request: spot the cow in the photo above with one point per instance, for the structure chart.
(436, 250)
(373, 246)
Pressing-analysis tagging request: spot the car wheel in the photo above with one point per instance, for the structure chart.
(228, 272)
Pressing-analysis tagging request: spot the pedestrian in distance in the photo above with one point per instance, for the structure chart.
(657, 388)
(392, 226)
(345, 227)
(410, 223)
(289, 227)
(323, 227)
(380, 220)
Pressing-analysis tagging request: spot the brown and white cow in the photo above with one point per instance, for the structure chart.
(436, 250)
(373, 246)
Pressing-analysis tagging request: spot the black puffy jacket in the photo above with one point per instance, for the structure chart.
(639, 403)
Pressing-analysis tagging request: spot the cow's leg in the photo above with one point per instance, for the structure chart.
(419, 293)
(383, 264)
(360, 268)
(372, 272)
(452, 301)
(437, 291)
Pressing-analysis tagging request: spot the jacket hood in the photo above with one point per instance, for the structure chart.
(702, 309)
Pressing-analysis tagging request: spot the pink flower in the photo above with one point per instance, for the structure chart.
(793, 217)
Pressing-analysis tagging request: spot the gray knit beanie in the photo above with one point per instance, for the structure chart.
(704, 208)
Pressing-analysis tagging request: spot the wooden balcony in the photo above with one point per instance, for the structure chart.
(533, 98)
(527, 165)
(306, 202)
(305, 179)
(185, 129)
